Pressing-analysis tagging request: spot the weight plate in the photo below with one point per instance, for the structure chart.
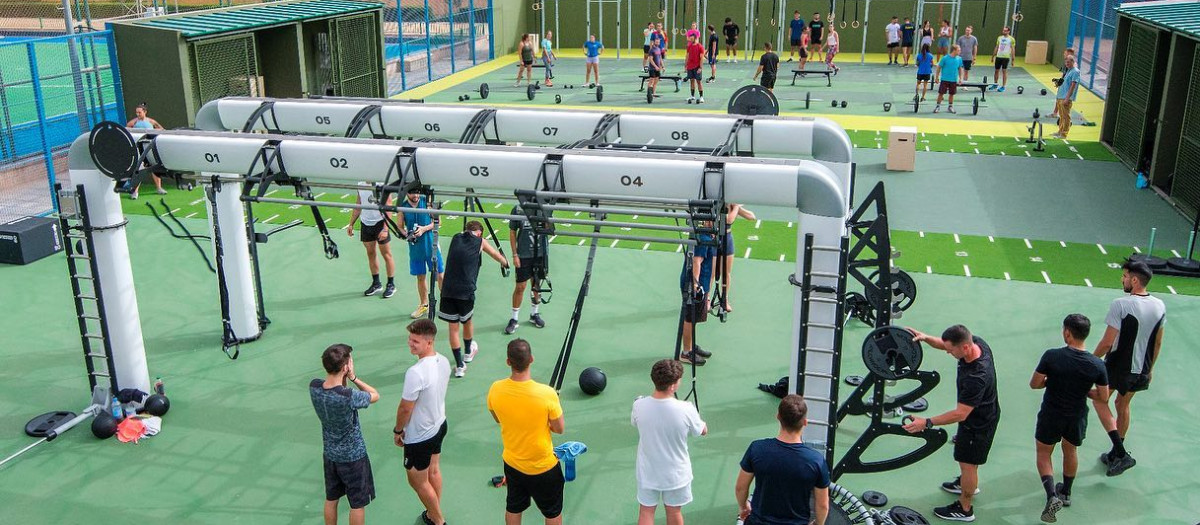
(906, 516)
(1153, 261)
(807, 99)
(599, 93)
(874, 498)
(113, 150)
(904, 290)
(530, 91)
(649, 95)
(753, 100)
(484, 90)
(1184, 265)
(891, 353)
(975, 106)
(858, 307)
(853, 380)
(920, 405)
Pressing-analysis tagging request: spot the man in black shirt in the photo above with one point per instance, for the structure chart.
(977, 414)
(768, 67)
(816, 34)
(1067, 374)
(785, 473)
(530, 257)
(458, 289)
(731, 31)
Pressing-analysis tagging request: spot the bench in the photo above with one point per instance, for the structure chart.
(675, 78)
(981, 86)
(796, 73)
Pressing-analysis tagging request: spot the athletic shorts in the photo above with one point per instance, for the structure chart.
(892, 45)
(418, 456)
(592, 60)
(924, 78)
(814, 41)
(712, 58)
(370, 233)
(646, 50)
(525, 272)
(420, 263)
(795, 43)
(1002, 62)
(768, 81)
(1052, 428)
(943, 42)
(731, 41)
(947, 87)
(803, 53)
(693, 74)
(671, 498)
(654, 73)
(454, 310)
(972, 446)
(907, 43)
(545, 489)
(967, 64)
(726, 248)
(1124, 382)
(527, 63)
(698, 312)
(352, 480)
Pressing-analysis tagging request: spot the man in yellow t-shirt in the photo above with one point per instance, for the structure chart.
(1002, 56)
(528, 412)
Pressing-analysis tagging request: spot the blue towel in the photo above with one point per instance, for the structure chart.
(567, 452)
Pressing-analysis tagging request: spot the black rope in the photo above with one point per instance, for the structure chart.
(983, 23)
(564, 354)
(228, 338)
(188, 235)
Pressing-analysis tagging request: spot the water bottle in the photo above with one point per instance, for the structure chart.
(116, 408)
(158, 386)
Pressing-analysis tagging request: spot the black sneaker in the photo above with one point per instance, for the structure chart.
(389, 291)
(425, 519)
(372, 290)
(537, 321)
(1104, 458)
(1058, 491)
(955, 487)
(701, 352)
(1053, 505)
(696, 359)
(513, 324)
(954, 512)
(1118, 466)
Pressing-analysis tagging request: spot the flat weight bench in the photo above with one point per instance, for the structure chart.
(981, 86)
(796, 73)
(675, 78)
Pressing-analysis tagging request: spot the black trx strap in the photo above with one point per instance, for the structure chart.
(187, 234)
(688, 304)
(472, 203)
(564, 355)
(433, 255)
(330, 248)
(983, 23)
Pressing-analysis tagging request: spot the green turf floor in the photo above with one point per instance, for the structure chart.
(241, 444)
(865, 87)
(990, 145)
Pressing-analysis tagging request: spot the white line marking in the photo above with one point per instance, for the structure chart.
(789, 224)
(1080, 156)
(967, 270)
(1046, 276)
(1102, 250)
(635, 217)
(951, 150)
(1172, 251)
(969, 137)
(498, 206)
(344, 196)
(976, 151)
(1065, 141)
(1136, 249)
(195, 202)
(1053, 156)
(552, 237)
(1088, 282)
(678, 248)
(271, 218)
(270, 192)
(614, 243)
(326, 221)
(1027, 245)
(991, 239)
(1027, 153)
(176, 210)
(190, 215)
(1062, 243)
(928, 269)
(319, 195)
(645, 247)
(577, 214)
(581, 241)
(922, 234)
(1007, 277)
(747, 256)
(1172, 289)
(781, 257)
(956, 241)
(878, 145)
(1003, 154)
(926, 148)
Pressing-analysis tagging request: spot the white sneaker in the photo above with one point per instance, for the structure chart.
(470, 355)
(691, 100)
(701, 101)
(460, 371)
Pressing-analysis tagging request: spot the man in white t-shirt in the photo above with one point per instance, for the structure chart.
(1130, 348)
(664, 469)
(893, 41)
(421, 419)
(374, 236)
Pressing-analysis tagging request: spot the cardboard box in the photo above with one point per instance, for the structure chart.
(1036, 51)
(28, 239)
(902, 148)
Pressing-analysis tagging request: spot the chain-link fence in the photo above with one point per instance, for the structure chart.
(428, 39)
(52, 90)
(1093, 28)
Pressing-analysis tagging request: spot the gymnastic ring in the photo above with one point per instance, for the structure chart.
(756, 21)
(1017, 17)
(661, 14)
(537, 6)
(843, 24)
(854, 24)
(772, 22)
(675, 31)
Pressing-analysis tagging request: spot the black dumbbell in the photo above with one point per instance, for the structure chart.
(833, 103)
(558, 99)
(1020, 90)
(1043, 91)
(843, 103)
(592, 85)
(460, 98)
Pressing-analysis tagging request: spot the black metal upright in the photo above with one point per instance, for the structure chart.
(76, 227)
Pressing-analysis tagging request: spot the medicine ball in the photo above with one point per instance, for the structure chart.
(104, 425)
(1043, 91)
(157, 405)
(592, 381)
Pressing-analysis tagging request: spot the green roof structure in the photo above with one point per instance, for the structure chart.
(244, 18)
(1179, 16)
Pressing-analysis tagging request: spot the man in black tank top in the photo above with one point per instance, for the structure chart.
(458, 289)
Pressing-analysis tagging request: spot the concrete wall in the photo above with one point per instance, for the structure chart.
(1058, 22)
(512, 18)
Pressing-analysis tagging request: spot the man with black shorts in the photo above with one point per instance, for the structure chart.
(696, 281)
(892, 32)
(768, 67)
(528, 412)
(816, 34)
(458, 291)
(797, 29)
(731, 31)
(647, 37)
(531, 253)
(347, 467)
(711, 56)
(694, 76)
(1068, 375)
(1002, 56)
(977, 414)
(907, 31)
(787, 474)
(967, 46)
(657, 64)
(375, 238)
(1130, 347)
(421, 419)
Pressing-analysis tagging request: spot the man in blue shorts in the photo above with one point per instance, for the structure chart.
(423, 255)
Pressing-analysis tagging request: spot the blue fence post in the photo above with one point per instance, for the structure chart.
(1096, 49)
(47, 157)
(491, 31)
(428, 47)
(118, 93)
(450, 18)
(471, 23)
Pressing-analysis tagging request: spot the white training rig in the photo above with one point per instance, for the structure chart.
(625, 146)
